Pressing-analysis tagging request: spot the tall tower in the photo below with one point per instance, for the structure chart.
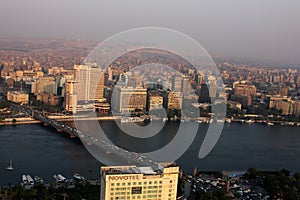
(89, 82)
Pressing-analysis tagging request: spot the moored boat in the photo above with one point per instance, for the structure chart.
(10, 167)
(60, 178)
(24, 179)
(78, 177)
(38, 179)
(29, 180)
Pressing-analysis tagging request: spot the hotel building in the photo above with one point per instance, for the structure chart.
(129, 99)
(131, 182)
(89, 83)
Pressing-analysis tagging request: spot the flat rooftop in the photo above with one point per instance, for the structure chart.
(130, 170)
(110, 170)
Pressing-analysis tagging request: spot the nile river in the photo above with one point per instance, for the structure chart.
(38, 150)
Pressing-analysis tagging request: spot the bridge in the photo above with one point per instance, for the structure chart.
(133, 157)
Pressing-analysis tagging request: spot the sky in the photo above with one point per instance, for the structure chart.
(258, 29)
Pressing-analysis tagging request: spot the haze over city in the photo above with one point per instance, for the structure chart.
(265, 31)
(115, 100)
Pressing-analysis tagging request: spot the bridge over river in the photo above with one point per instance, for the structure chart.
(131, 157)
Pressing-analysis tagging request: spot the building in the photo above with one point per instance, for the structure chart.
(234, 105)
(284, 91)
(135, 81)
(129, 99)
(18, 97)
(212, 82)
(177, 83)
(44, 85)
(186, 87)
(174, 100)
(71, 103)
(89, 83)
(155, 102)
(285, 104)
(131, 182)
(244, 88)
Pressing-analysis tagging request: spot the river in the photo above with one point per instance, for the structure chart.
(38, 150)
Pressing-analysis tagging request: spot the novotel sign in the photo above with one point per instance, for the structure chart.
(123, 178)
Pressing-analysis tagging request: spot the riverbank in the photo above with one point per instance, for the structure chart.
(18, 121)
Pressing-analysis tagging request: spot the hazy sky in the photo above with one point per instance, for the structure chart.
(263, 29)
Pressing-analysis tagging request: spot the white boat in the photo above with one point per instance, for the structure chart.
(56, 178)
(29, 180)
(270, 124)
(24, 179)
(10, 167)
(164, 119)
(78, 177)
(228, 120)
(250, 121)
(60, 178)
(210, 121)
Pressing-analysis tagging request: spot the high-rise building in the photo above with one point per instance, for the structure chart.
(212, 86)
(186, 87)
(89, 82)
(177, 83)
(131, 182)
(128, 99)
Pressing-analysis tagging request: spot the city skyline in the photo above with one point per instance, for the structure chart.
(149, 100)
(262, 31)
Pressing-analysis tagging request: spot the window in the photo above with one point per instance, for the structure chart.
(136, 190)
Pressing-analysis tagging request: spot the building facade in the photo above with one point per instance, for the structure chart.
(155, 102)
(131, 182)
(174, 100)
(129, 99)
(89, 82)
(18, 97)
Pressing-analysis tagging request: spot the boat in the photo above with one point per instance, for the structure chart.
(220, 121)
(29, 180)
(24, 179)
(228, 120)
(62, 178)
(78, 177)
(10, 167)
(59, 178)
(131, 119)
(250, 121)
(270, 124)
(38, 179)
(56, 178)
